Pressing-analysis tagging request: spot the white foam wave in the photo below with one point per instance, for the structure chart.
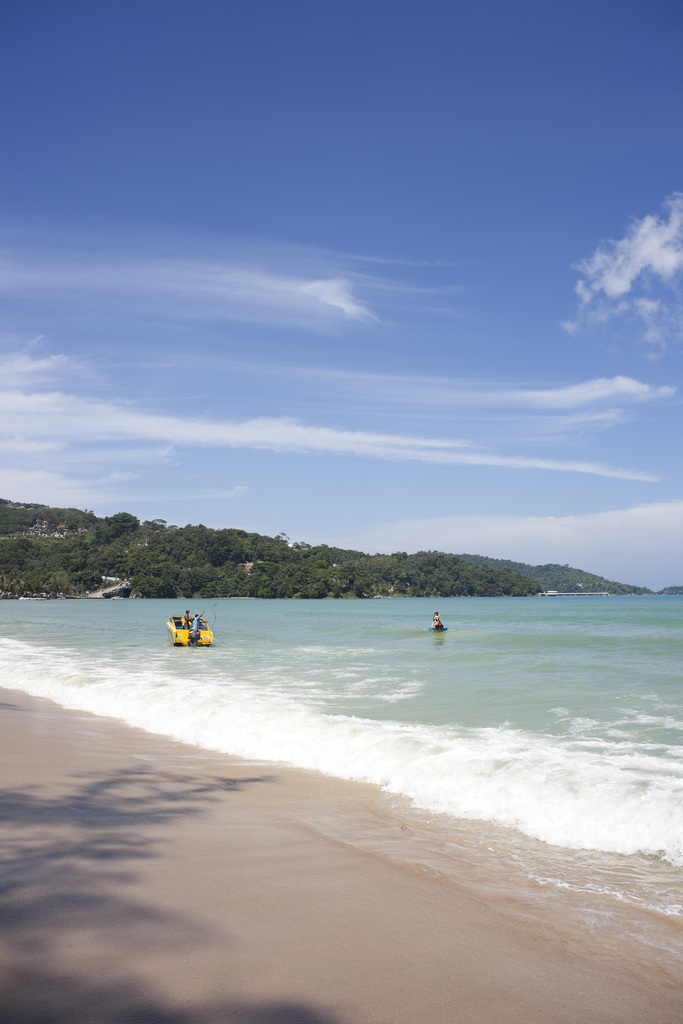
(668, 909)
(660, 721)
(609, 797)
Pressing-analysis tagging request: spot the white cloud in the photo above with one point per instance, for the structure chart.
(47, 487)
(652, 246)
(589, 392)
(233, 492)
(21, 446)
(64, 417)
(55, 488)
(193, 289)
(210, 494)
(477, 393)
(649, 256)
(19, 369)
(578, 422)
(641, 545)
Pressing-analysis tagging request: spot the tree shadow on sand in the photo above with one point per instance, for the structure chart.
(65, 862)
(45, 999)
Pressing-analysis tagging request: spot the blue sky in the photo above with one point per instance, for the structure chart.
(390, 275)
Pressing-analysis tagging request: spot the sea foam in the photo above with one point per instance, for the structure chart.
(572, 790)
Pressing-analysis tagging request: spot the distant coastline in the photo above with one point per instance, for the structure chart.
(48, 552)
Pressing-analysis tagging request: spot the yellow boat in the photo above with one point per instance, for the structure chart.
(181, 637)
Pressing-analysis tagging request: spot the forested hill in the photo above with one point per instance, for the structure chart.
(70, 551)
(562, 578)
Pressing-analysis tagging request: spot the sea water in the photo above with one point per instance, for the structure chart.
(546, 733)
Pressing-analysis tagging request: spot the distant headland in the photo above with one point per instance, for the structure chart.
(69, 552)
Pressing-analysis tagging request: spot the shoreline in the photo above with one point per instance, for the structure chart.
(147, 877)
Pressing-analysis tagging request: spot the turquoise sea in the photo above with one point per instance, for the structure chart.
(545, 732)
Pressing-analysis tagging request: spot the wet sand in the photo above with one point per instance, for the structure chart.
(149, 882)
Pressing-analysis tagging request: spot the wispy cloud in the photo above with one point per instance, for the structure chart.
(60, 416)
(19, 368)
(176, 279)
(637, 276)
(207, 495)
(463, 393)
(22, 446)
(589, 392)
(57, 488)
(578, 423)
(22, 368)
(199, 288)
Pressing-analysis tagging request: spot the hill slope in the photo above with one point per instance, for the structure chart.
(36, 556)
(68, 550)
(562, 578)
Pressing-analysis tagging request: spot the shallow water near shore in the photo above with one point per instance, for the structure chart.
(540, 738)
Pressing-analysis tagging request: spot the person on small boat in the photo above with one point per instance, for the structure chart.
(195, 631)
(436, 622)
(187, 621)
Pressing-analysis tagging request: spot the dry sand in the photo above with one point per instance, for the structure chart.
(147, 882)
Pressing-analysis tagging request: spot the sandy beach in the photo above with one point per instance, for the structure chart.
(148, 881)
